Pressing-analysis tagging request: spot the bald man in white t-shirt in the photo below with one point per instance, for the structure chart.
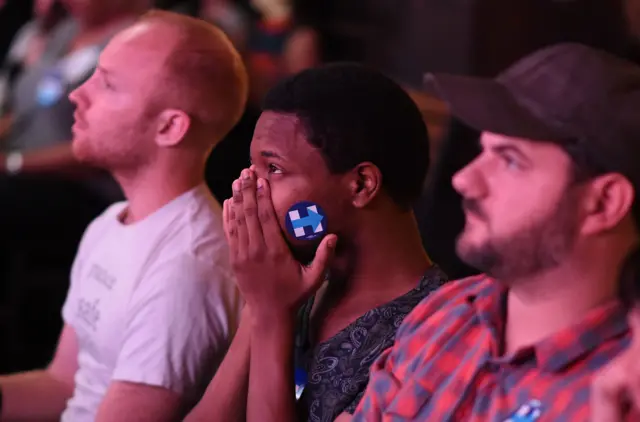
(152, 305)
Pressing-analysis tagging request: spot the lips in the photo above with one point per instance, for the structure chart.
(79, 123)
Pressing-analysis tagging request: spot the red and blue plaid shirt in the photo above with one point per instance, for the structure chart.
(446, 365)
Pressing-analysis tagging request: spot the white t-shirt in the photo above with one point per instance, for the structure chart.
(153, 302)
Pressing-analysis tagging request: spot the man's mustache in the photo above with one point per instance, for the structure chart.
(471, 206)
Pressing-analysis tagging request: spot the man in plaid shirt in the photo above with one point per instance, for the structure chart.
(551, 213)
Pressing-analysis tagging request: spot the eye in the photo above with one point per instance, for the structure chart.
(106, 83)
(511, 162)
(273, 169)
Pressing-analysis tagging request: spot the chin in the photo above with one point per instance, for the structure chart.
(83, 152)
(79, 148)
(465, 246)
(465, 238)
(80, 151)
(304, 252)
(479, 255)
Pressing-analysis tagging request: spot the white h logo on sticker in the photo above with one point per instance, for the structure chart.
(293, 216)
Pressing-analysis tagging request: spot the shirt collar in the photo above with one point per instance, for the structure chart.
(558, 351)
(489, 304)
(603, 323)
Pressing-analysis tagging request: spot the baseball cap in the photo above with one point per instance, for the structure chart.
(579, 97)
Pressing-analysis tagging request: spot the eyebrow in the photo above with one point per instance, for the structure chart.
(270, 154)
(104, 71)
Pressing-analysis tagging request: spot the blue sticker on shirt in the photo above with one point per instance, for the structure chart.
(50, 88)
(306, 221)
(528, 412)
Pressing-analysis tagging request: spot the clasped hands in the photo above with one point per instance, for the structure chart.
(272, 283)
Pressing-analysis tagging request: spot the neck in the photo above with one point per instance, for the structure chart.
(147, 190)
(389, 262)
(539, 306)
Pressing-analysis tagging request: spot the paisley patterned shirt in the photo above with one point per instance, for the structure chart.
(338, 369)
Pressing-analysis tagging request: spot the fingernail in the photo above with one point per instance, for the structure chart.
(236, 185)
(332, 243)
(260, 183)
(245, 174)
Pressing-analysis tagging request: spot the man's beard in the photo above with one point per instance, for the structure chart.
(540, 246)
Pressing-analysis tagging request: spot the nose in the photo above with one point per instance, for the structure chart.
(74, 96)
(79, 96)
(469, 181)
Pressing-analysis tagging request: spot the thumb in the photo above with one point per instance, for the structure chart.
(324, 254)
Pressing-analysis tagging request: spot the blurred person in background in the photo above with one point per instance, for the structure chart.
(13, 15)
(26, 49)
(229, 17)
(260, 29)
(269, 31)
(38, 139)
(53, 197)
(152, 305)
(185, 7)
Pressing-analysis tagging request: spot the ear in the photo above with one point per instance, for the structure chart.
(173, 126)
(365, 183)
(608, 201)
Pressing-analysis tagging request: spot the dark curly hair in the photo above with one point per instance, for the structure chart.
(354, 114)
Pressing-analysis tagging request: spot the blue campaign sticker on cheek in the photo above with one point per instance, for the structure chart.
(306, 221)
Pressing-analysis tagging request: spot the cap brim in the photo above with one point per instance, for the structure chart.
(487, 105)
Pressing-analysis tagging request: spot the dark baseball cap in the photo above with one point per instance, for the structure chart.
(581, 98)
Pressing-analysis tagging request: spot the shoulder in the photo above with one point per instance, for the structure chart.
(108, 217)
(188, 263)
(102, 223)
(457, 291)
(187, 276)
(193, 231)
(186, 293)
(191, 274)
(447, 299)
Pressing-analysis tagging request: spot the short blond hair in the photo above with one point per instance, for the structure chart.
(204, 75)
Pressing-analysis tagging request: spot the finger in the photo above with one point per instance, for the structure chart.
(231, 230)
(271, 232)
(225, 219)
(250, 210)
(240, 224)
(314, 273)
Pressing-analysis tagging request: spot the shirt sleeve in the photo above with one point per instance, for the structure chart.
(178, 327)
(386, 376)
(380, 390)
